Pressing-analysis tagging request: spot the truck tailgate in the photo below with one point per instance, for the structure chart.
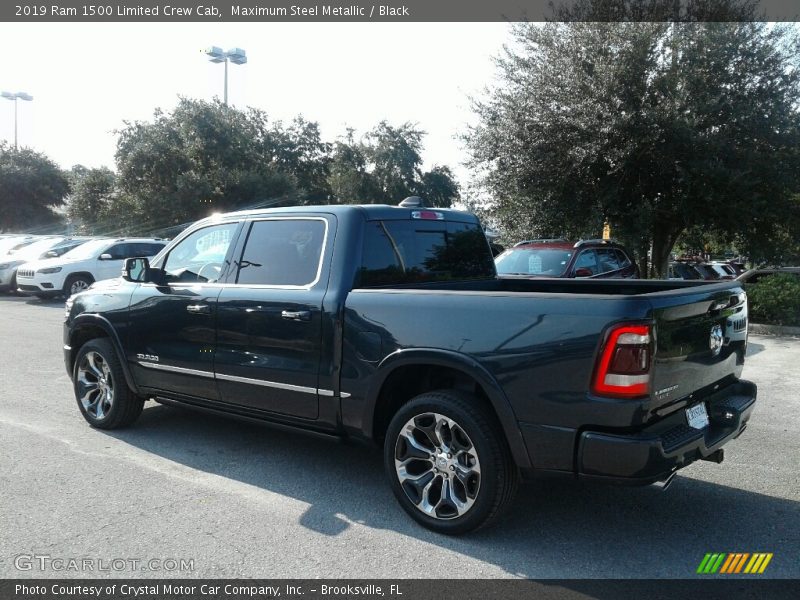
(701, 338)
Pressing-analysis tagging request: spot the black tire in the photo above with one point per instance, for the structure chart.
(124, 407)
(82, 281)
(498, 475)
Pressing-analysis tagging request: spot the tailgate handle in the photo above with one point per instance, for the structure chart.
(296, 315)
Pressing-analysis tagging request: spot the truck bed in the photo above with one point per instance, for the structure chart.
(614, 287)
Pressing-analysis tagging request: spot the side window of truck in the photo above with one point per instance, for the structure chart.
(283, 252)
(397, 252)
(200, 257)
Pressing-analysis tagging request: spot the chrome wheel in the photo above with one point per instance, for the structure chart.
(77, 286)
(437, 466)
(95, 385)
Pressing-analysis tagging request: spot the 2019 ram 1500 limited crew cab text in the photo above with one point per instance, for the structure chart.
(390, 324)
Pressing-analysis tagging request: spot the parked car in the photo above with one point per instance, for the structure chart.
(599, 259)
(724, 270)
(683, 270)
(706, 271)
(64, 246)
(48, 247)
(13, 242)
(756, 275)
(705, 268)
(77, 269)
(390, 325)
(738, 265)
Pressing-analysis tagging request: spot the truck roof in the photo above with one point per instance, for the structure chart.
(383, 212)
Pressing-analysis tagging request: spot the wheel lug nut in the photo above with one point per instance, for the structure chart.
(452, 468)
(449, 456)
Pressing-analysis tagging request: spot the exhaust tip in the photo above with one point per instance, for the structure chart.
(664, 483)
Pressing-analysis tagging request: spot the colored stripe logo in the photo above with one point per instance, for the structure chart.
(734, 562)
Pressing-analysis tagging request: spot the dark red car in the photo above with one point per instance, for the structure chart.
(600, 259)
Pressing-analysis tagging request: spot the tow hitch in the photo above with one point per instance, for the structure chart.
(715, 457)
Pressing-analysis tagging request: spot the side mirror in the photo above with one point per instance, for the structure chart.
(136, 269)
(51, 254)
(105, 256)
(583, 272)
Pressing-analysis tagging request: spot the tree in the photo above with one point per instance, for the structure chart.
(349, 180)
(439, 186)
(91, 203)
(385, 166)
(653, 127)
(31, 187)
(299, 150)
(394, 153)
(204, 157)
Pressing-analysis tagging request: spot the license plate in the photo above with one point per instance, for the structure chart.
(696, 416)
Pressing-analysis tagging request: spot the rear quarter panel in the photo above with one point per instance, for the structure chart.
(539, 348)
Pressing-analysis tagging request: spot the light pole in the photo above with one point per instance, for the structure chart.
(235, 55)
(15, 97)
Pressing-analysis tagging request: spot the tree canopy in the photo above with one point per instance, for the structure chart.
(206, 157)
(91, 199)
(385, 166)
(203, 157)
(656, 128)
(31, 187)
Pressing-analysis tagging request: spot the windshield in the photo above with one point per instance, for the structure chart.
(7, 243)
(13, 246)
(543, 262)
(87, 250)
(33, 250)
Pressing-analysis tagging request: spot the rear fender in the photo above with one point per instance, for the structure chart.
(459, 362)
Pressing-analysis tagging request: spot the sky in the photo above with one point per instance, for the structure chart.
(86, 79)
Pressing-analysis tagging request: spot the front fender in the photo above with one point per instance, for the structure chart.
(459, 362)
(85, 321)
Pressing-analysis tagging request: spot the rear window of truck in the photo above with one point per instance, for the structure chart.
(398, 252)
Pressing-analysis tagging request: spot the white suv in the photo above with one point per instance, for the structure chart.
(76, 270)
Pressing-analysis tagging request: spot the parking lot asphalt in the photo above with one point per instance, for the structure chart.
(241, 500)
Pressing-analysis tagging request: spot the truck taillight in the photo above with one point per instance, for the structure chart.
(623, 369)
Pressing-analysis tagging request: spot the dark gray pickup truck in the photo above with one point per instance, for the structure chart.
(390, 325)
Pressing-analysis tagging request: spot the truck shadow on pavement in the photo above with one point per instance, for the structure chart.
(556, 528)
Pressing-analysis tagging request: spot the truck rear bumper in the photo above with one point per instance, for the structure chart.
(655, 453)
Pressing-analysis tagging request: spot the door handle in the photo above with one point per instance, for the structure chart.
(296, 315)
(255, 309)
(198, 309)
